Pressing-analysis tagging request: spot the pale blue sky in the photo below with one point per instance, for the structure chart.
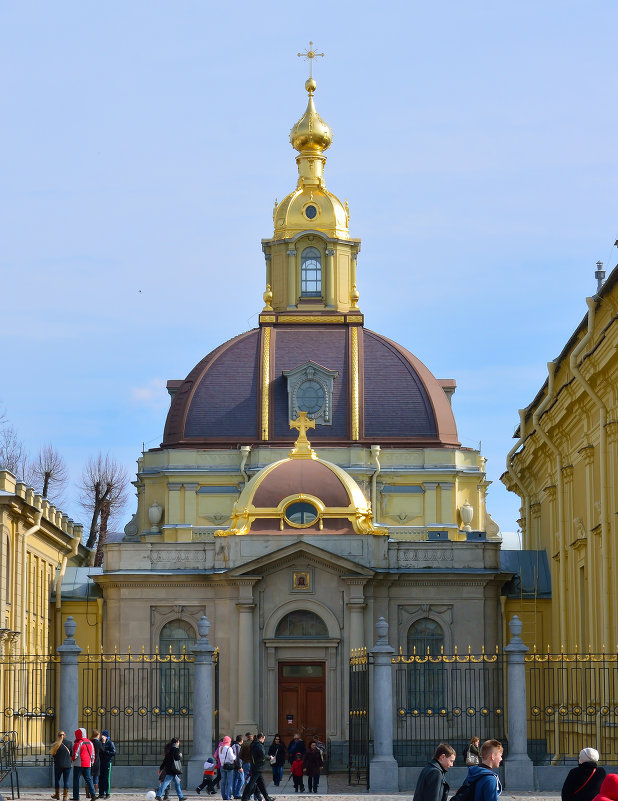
(145, 142)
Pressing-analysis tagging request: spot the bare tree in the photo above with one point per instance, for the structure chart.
(103, 492)
(13, 455)
(50, 472)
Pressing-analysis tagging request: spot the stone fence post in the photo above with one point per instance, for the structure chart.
(202, 704)
(383, 769)
(68, 701)
(518, 768)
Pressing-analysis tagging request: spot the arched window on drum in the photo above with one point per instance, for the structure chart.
(426, 680)
(175, 640)
(311, 273)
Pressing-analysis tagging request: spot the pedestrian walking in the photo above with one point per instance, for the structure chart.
(312, 763)
(297, 771)
(584, 781)
(258, 757)
(83, 759)
(62, 752)
(279, 751)
(108, 752)
(172, 769)
(431, 784)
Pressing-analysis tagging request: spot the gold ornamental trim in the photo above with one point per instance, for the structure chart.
(355, 383)
(294, 318)
(265, 382)
(354, 318)
(267, 318)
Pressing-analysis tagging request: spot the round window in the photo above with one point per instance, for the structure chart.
(301, 513)
(311, 212)
(310, 397)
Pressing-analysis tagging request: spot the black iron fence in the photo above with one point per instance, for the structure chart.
(28, 704)
(8, 760)
(358, 719)
(572, 703)
(446, 698)
(142, 699)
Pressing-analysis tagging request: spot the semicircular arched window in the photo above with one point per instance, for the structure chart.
(310, 273)
(176, 688)
(426, 680)
(301, 624)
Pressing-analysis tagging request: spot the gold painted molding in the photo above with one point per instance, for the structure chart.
(355, 381)
(265, 382)
(293, 318)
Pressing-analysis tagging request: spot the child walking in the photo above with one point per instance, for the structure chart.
(297, 773)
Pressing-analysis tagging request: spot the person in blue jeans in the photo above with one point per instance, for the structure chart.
(238, 780)
(279, 751)
(225, 756)
(172, 773)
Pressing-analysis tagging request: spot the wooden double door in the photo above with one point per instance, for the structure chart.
(302, 700)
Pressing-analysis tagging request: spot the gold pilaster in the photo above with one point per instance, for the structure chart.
(265, 381)
(355, 383)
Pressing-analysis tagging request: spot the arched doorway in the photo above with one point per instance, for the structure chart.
(301, 696)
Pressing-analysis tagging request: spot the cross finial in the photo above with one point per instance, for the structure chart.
(310, 54)
(302, 447)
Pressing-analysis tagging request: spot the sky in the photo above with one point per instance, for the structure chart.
(144, 144)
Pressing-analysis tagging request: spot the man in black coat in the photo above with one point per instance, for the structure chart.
(258, 757)
(431, 784)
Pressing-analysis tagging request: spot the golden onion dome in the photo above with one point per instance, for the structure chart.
(311, 133)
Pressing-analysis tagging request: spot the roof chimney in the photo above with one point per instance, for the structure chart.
(599, 275)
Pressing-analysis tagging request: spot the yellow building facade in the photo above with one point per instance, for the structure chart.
(564, 467)
(37, 543)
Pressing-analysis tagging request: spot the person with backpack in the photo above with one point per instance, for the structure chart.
(584, 781)
(431, 784)
(83, 760)
(482, 782)
(108, 752)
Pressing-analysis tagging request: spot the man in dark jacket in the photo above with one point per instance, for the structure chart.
(487, 785)
(431, 784)
(258, 757)
(296, 746)
(108, 752)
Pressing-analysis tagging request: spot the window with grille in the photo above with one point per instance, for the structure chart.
(311, 273)
(426, 680)
(176, 638)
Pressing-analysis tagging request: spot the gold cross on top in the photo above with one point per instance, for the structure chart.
(310, 54)
(302, 447)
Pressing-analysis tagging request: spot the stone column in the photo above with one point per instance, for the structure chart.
(291, 279)
(246, 711)
(68, 697)
(202, 704)
(330, 277)
(357, 638)
(518, 768)
(383, 769)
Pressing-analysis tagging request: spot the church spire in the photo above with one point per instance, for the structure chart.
(311, 136)
(311, 258)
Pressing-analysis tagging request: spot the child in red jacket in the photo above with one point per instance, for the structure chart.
(297, 773)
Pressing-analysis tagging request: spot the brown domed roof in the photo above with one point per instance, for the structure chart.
(307, 476)
(400, 401)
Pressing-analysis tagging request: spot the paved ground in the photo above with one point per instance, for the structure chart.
(335, 786)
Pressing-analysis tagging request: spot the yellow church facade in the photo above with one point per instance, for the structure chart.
(564, 467)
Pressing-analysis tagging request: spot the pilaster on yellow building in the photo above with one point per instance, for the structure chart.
(564, 467)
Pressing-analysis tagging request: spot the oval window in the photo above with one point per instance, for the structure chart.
(301, 513)
(311, 212)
